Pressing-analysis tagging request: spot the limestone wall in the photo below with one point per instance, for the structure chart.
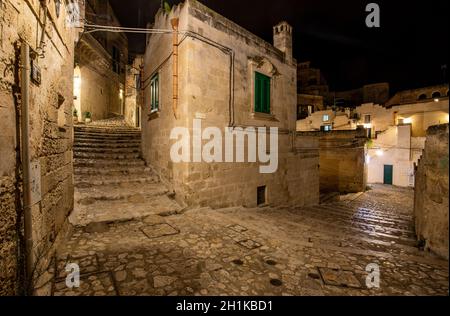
(204, 93)
(51, 104)
(431, 192)
(342, 160)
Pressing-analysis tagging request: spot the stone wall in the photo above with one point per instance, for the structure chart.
(342, 160)
(50, 136)
(431, 192)
(204, 94)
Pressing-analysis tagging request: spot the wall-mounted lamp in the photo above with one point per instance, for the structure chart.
(407, 120)
(380, 153)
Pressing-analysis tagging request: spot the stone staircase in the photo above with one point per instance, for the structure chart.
(112, 182)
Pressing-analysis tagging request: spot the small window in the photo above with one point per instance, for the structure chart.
(436, 95)
(367, 119)
(137, 81)
(262, 93)
(328, 128)
(154, 93)
(422, 97)
(326, 118)
(261, 195)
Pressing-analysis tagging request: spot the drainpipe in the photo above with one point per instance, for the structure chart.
(174, 23)
(25, 127)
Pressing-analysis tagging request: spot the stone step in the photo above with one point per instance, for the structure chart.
(91, 181)
(107, 163)
(106, 130)
(356, 216)
(113, 170)
(123, 192)
(89, 138)
(121, 211)
(107, 144)
(109, 150)
(111, 156)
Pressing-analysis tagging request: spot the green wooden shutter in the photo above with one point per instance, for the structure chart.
(262, 93)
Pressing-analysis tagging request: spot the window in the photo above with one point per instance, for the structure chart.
(436, 95)
(327, 128)
(422, 97)
(261, 195)
(137, 82)
(326, 118)
(367, 119)
(262, 93)
(154, 93)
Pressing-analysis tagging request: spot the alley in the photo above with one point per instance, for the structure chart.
(320, 250)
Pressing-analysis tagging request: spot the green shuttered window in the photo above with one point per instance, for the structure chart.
(262, 93)
(154, 93)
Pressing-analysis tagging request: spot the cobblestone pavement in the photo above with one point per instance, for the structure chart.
(320, 250)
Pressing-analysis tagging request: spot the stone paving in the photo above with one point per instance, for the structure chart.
(321, 250)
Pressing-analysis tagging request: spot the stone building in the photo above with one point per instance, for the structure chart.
(210, 74)
(431, 192)
(312, 82)
(100, 66)
(37, 40)
(342, 153)
(396, 130)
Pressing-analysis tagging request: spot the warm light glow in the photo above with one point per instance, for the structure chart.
(407, 120)
(121, 94)
(367, 126)
(436, 100)
(76, 84)
(380, 153)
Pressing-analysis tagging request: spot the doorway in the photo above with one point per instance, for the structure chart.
(388, 174)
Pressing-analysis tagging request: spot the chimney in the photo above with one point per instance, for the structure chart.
(282, 39)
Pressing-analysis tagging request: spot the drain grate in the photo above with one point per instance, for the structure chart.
(249, 244)
(238, 262)
(271, 262)
(341, 278)
(159, 230)
(237, 228)
(276, 282)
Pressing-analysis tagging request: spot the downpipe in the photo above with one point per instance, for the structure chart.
(26, 166)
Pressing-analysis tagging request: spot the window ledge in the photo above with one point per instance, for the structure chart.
(264, 116)
(153, 115)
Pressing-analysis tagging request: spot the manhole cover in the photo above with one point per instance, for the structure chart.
(159, 230)
(276, 282)
(238, 262)
(342, 278)
(238, 228)
(249, 244)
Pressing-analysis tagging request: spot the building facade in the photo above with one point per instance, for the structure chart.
(221, 75)
(36, 100)
(396, 130)
(101, 60)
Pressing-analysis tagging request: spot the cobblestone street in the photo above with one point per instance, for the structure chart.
(321, 250)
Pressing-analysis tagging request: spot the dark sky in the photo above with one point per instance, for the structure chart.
(407, 51)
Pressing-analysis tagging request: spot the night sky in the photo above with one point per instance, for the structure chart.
(408, 51)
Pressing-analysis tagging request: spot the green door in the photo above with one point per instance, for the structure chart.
(388, 174)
